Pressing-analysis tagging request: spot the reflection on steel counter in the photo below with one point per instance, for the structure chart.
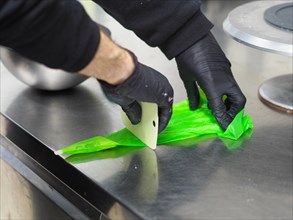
(203, 181)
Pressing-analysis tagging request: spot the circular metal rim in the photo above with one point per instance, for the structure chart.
(269, 102)
(263, 44)
(257, 42)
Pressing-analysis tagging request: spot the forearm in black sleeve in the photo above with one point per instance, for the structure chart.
(57, 33)
(171, 25)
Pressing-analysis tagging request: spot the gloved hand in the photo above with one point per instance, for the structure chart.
(206, 64)
(145, 84)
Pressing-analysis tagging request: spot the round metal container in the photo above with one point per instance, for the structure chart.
(37, 75)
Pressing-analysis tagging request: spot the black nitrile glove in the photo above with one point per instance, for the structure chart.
(145, 84)
(206, 64)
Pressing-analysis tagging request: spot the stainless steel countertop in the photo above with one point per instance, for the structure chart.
(204, 181)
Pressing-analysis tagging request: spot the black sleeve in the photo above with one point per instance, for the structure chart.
(171, 25)
(57, 33)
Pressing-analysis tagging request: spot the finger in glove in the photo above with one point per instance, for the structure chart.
(226, 111)
(235, 102)
(164, 117)
(192, 94)
(133, 112)
(219, 110)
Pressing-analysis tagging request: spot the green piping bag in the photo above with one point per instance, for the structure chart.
(184, 124)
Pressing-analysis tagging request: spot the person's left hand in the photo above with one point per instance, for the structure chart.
(206, 64)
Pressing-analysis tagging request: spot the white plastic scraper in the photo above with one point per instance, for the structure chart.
(147, 129)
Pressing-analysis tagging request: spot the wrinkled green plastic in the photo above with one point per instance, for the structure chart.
(93, 144)
(116, 152)
(184, 125)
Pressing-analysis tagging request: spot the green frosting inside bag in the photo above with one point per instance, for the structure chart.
(184, 124)
(93, 144)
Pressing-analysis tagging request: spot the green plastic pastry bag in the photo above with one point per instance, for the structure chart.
(184, 124)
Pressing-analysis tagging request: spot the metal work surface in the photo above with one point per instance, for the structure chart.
(246, 24)
(203, 181)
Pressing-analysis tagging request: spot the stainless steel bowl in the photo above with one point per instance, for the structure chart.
(38, 75)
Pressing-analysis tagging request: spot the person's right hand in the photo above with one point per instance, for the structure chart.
(144, 84)
(126, 82)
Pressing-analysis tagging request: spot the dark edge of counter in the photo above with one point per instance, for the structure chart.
(72, 184)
